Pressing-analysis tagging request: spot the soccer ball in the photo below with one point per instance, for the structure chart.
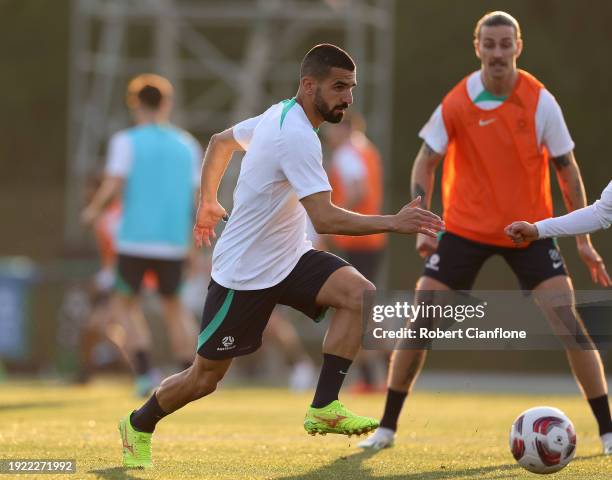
(543, 440)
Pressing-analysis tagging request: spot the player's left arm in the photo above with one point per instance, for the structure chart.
(574, 197)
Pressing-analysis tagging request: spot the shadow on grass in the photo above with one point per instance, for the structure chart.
(115, 473)
(351, 467)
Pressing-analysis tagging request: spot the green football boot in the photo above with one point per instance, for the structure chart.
(336, 418)
(136, 445)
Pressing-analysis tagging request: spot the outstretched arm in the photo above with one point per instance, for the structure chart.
(584, 220)
(216, 159)
(328, 218)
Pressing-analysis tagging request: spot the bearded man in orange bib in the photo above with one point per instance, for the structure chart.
(496, 131)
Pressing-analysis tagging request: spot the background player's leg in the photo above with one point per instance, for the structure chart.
(585, 362)
(283, 333)
(182, 329)
(584, 359)
(101, 325)
(126, 309)
(406, 364)
(180, 323)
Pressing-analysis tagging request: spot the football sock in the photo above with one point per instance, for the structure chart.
(146, 417)
(142, 362)
(601, 410)
(333, 372)
(393, 407)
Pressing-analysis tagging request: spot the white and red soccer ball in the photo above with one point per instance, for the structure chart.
(543, 440)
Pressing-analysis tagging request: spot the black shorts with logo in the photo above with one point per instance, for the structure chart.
(457, 261)
(234, 320)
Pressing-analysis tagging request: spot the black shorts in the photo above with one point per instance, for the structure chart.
(457, 261)
(234, 320)
(131, 270)
(367, 262)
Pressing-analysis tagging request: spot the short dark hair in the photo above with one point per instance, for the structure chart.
(148, 90)
(496, 19)
(321, 58)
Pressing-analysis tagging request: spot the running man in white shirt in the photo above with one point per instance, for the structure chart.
(585, 220)
(263, 258)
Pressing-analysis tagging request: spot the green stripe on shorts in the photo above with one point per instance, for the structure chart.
(217, 320)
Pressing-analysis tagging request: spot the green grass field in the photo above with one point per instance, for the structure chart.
(257, 433)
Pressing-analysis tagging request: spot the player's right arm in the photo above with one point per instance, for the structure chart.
(435, 142)
(422, 184)
(218, 154)
(328, 218)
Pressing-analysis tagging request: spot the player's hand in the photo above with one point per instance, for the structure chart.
(89, 215)
(426, 245)
(412, 219)
(209, 214)
(594, 263)
(521, 232)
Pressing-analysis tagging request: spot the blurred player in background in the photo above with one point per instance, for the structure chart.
(102, 324)
(584, 220)
(263, 257)
(356, 179)
(154, 167)
(497, 130)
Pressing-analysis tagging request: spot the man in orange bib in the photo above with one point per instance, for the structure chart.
(496, 130)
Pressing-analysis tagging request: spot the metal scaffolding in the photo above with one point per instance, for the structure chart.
(228, 60)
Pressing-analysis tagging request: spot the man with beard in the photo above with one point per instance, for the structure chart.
(496, 131)
(263, 258)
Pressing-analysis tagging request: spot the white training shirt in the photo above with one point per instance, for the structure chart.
(584, 220)
(265, 235)
(551, 130)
